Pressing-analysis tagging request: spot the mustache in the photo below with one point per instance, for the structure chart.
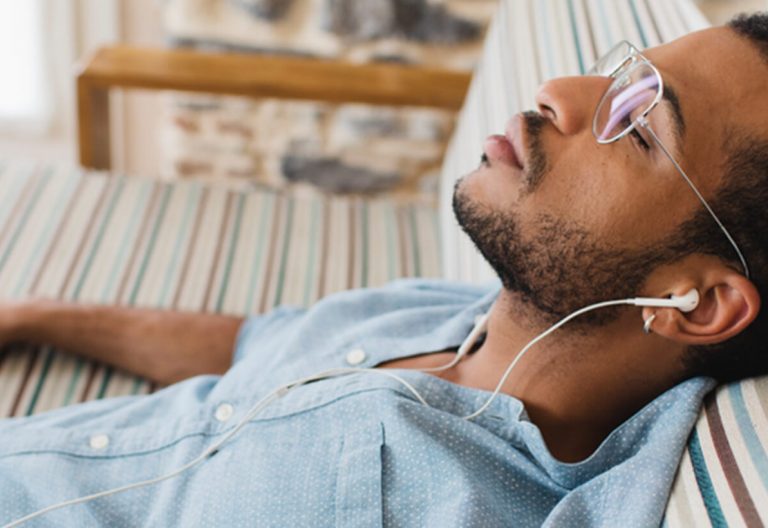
(537, 157)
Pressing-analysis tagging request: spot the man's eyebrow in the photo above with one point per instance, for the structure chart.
(670, 95)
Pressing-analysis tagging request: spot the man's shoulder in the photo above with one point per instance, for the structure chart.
(442, 285)
(419, 291)
(411, 297)
(401, 318)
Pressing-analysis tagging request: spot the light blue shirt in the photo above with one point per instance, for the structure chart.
(355, 450)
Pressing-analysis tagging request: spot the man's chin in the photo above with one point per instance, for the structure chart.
(558, 267)
(492, 189)
(472, 189)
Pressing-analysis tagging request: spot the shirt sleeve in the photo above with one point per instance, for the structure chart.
(255, 326)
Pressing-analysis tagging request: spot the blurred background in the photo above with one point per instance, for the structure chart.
(348, 149)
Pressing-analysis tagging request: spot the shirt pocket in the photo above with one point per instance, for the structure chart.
(359, 478)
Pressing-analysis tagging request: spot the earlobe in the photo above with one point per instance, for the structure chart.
(727, 306)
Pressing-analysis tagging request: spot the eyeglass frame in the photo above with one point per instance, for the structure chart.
(637, 58)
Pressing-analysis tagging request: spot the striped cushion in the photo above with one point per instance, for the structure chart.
(187, 246)
(723, 477)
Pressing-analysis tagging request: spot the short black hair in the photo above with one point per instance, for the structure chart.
(742, 205)
(753, 27)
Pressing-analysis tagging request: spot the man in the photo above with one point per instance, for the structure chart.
(570, 210)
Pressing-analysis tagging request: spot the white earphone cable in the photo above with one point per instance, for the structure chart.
(468, 343)
(535, 340)
(252, 412)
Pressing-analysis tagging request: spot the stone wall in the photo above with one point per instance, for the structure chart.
(338, 148)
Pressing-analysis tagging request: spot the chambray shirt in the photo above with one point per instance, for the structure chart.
(356, 450)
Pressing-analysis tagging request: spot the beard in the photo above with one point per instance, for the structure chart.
(557, 266)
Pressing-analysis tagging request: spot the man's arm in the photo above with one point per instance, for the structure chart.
(163, 346)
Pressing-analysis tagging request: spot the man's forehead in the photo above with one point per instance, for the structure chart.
(717, 37)
(716, 63)
(719, 78)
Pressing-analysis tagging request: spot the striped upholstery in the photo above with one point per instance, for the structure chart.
(723, 478)
(186, 246)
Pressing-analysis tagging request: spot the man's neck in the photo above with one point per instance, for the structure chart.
(576, 386)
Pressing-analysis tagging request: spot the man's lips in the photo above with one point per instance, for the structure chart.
(507, 148)
(514, 134)
(498, 148)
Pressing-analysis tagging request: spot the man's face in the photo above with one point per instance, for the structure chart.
(566, 221)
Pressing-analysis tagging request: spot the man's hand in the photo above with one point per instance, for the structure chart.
(163, 346)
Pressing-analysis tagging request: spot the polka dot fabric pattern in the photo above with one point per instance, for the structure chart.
(351, 451)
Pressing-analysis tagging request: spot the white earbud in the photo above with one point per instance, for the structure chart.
(685, 303)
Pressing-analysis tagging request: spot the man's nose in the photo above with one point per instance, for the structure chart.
(570, 102)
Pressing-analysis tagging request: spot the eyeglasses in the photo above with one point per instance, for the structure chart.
(637, 89)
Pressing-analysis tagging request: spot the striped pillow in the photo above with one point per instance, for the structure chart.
(723, 477)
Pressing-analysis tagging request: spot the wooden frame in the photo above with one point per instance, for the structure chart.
(248, 75)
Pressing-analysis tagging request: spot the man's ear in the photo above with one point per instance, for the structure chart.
(729, 302)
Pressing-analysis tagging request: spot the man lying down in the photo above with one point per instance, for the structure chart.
(580, 202)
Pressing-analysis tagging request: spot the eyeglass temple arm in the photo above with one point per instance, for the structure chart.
(644, 123)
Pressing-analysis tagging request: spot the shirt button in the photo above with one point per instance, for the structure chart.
(99, 441)
(224, 412)
(356, 356)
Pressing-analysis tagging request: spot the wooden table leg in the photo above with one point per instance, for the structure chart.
(93, 125)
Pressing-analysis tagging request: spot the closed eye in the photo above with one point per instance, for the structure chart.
(642, 143)
(636, 136)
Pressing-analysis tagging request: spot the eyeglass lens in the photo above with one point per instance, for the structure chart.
(630, 96)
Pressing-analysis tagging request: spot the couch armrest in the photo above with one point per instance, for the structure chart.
(248, 75)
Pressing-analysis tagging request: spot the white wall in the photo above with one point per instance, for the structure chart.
(64, 30)
(135, 147)
(72, 29)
